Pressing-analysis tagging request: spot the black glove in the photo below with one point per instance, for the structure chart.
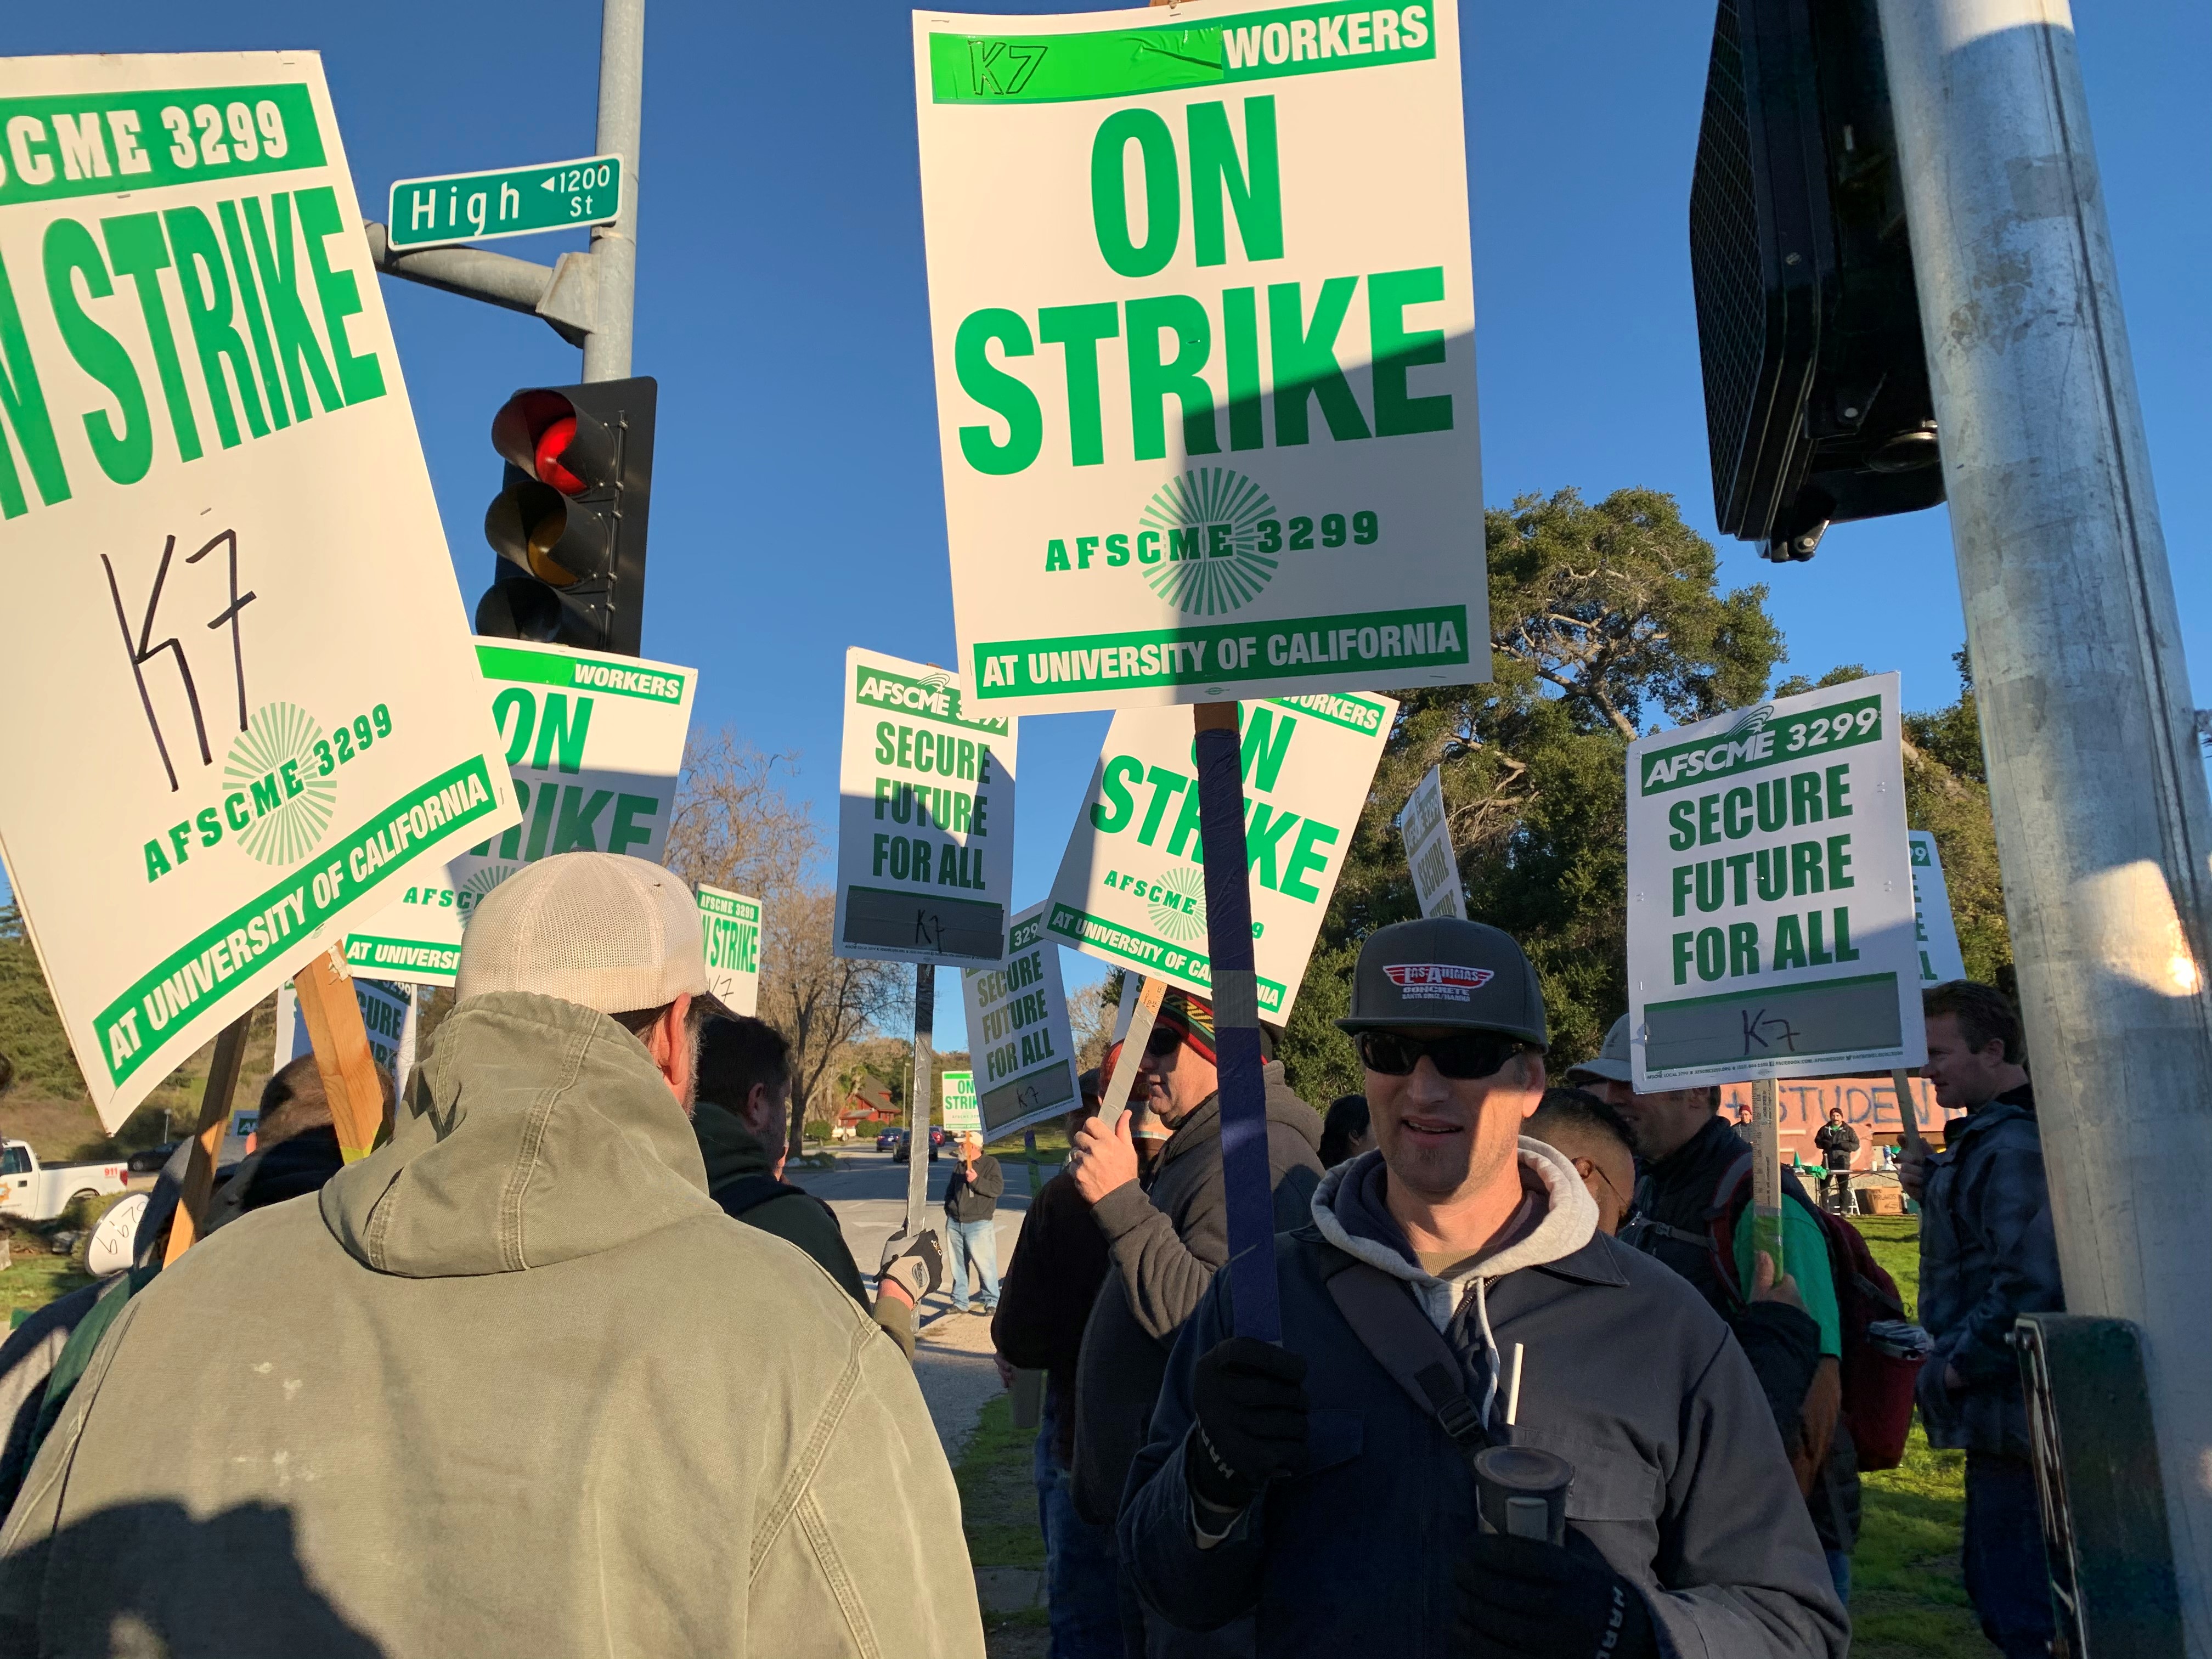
(1522, 1598)
(917, 1267)
(1250, 1398)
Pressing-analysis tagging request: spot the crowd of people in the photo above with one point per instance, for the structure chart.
(566, 1365)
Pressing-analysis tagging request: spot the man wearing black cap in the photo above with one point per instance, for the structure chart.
(1452, 1296)
(1166, 1244)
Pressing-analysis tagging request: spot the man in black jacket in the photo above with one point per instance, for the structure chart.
(1988, 1254)
(971, 1206)
(1166, 1244)
(1839, 1142)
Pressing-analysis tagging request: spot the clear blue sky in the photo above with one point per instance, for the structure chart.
(797, 507)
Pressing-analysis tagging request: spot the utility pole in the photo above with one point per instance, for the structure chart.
(585, 298)
(918, 1094)
(2096, 784)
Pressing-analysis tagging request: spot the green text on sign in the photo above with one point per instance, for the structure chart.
(1048, 68)
(500, 662)
(478, 207)
(97, 144)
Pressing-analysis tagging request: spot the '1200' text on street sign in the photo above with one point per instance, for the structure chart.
(479, 206)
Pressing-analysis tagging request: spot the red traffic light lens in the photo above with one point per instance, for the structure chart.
(550, 445)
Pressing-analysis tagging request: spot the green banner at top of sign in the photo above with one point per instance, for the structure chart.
(98, 144)
(541, 667)
(1053, 69)
(1760, 740)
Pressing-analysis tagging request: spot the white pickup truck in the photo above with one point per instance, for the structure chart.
(39, 1192)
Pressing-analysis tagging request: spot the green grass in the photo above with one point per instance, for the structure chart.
(34, 1280)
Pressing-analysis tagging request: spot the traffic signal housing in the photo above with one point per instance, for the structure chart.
(1817, 402)
(570, 523)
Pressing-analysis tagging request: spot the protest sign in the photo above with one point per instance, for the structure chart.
(732, 924)
(387, 1016)
(238, 680)
(1770, 917)
(1203, 313)
(1131, 890)
(1933, 932)
(594, 744)
(926, 824)
(1019, 1038)
(1429, 852)
(961, 1115)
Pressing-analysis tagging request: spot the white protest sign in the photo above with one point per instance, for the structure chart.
(1131, 888)
(1203, 313)
(387, 1014)
(961, 1115)
(1770, 915)
(594, 744)
(236, 676)
(732, 924)
(1018, 1039)
(926, 824)
(1429, 852)
(1934, 933)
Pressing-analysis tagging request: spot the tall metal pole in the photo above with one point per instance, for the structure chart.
(614, 247)
(919, 1095)
(2102, 819)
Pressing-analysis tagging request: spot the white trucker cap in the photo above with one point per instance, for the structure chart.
(602, 930)
(1614, 1063)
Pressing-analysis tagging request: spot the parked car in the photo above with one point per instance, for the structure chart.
(39, 1192)
(150, 1161)
(899, 1154)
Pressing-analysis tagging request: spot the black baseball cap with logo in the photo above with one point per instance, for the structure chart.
(1441, 971)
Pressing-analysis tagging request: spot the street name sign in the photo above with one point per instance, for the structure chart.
(1935, 933)
(1770, 915)
(1019, 1038)
(926, 821)
(482, 207)
(1203, 315)
(1131, 888)
(1429, 852)
(236, 709)
(731, 925)
(592, 746)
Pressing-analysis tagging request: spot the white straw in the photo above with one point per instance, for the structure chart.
(1513, 1391)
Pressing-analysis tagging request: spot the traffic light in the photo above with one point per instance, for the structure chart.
(1808, 325)
(569, 524)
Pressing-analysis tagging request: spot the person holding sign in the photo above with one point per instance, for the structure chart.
(1696, 1166)
(475, 1399)
(1451, 1300)
(971, 1208)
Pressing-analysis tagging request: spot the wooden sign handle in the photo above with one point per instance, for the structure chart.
(1149, 994)
(325, 989)
(1908, 1111)
(229, 1060)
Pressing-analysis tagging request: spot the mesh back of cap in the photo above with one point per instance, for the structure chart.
(606, 931)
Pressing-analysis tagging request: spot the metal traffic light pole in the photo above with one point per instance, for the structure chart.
(2098, 789)
(585, 298)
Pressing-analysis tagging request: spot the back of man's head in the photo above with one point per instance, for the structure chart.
(1573, 1120)
(293, 1101)
(737, 1054)
(1985, 1015)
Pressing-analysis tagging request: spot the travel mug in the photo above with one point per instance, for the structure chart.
(1522, 1492)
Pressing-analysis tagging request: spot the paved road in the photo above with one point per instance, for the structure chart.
(952, 1352)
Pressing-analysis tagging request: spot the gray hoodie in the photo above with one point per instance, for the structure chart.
(512, 1385)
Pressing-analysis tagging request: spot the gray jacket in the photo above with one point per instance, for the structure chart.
(1987, 1255)
(1680, 1477)
(1165, 1246)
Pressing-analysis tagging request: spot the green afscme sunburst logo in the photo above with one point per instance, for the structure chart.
(275, 762)
(1209, 520)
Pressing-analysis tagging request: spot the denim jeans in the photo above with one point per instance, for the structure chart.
(1078, 1562)
(2008, 1578)
(976, 1242)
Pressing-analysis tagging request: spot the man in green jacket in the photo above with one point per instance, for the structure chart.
(745, 1101)
(513, 1385)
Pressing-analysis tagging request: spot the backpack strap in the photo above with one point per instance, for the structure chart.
(1392, 1327)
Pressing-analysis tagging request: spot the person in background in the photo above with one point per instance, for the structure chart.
(1743, 1116)
(1838, 1143)
(1988, 1254)
(1789, 1323)
(1595, 1141)
(1059, 1261)
(743, 1102)
(1450, 1293)
(513, 1385)
(1343, 1131)
(1166, 1241)
(971, 1205)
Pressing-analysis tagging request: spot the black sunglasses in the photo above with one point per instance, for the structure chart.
(1163, 1042)
(1462, 1057)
